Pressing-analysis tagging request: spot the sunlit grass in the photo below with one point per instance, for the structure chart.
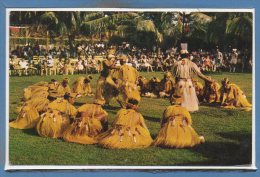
(227, 133)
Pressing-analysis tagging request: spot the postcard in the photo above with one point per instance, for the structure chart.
(134, 89)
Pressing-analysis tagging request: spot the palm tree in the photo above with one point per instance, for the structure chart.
(230, 28)
(143, 28)
(240, 26)
(128, 25)
(63, 23)
(197, 29)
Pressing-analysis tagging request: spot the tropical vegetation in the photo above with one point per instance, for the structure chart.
(144, 29)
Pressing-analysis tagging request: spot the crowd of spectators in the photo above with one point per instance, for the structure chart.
(88, 58)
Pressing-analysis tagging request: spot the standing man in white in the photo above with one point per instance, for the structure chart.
(184, 70)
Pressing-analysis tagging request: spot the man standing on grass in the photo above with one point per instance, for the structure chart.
(105, 78)
(184, 70)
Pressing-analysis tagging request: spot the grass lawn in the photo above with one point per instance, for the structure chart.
(227, 133)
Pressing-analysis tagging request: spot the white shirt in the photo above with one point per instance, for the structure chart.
(23, 64)
(50, 62)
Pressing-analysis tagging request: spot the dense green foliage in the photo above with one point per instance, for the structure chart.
(228, 134)
(145, 29)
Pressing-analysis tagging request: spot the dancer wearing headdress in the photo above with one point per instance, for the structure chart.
(82, 86)
(184, 70)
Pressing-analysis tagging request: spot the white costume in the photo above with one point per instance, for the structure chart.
(23, 64)
(233, 61)
(184, 70)
(50, 62)
(234, 58)
(79, 65)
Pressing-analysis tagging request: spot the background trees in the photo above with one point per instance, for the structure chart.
(144, 29)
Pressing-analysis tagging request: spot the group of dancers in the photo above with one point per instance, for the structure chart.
(49, 108)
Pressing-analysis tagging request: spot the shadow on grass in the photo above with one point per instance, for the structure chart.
(210, 104)
(227, 153)
(154, 135)
(153, 119)
(31, 132)
(77, 104)
(110, 107)
(239, 136)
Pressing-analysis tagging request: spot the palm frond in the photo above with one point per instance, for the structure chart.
(146, 26)
(49, 17)
(201, 17)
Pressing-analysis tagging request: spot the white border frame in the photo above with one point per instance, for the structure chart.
(8, 166)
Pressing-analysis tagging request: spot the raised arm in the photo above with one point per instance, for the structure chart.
(196, 70)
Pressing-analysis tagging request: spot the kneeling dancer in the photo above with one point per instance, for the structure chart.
(57, 118)
(91, 122)
(233, 97)
(176, 130)
(128, 130)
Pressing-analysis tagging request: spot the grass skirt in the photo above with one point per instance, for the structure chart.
(128, 132)
(83, 131)
(27, 118)
(175, 134)
(52, 124)
(176, 131)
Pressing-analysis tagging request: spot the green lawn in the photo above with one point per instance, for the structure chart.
(227, 134)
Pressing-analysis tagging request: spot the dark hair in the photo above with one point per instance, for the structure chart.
(133, 101)
(66, 96)
(185, 55)
(86, 81)
(50, 98)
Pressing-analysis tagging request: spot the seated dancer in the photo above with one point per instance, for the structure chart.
(232, 96)
(27, 118)
(36, 96)
(143, 83)
(91, 122)
(128, 131)
(35, 91)
(64, 87)
(167, 85)
(149, 88)
(57, 118)
(176, 130)
(36, 102)
(199, 88)
(39, 103)
(65, 104)
(82, 86)
(53, 85)
(52, 124)
(154, 85)
(212, 92)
